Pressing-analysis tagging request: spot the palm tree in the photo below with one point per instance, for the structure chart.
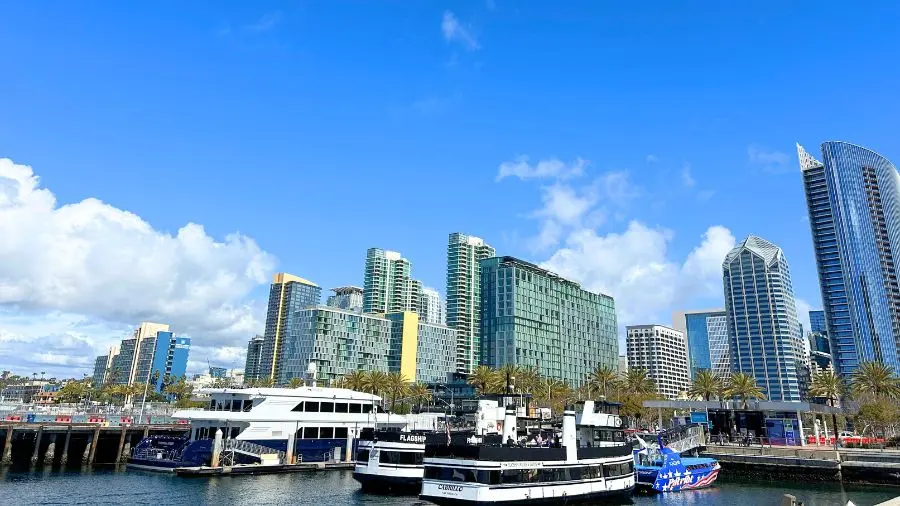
(706, 384)
(637, 382)
(483, 378)
(529, 380)
(744, 386)
(507, 374)
(375, 383)
(295, 383)
(340, 382)
(875, 380)
(419, 394)
(826, 383)
(397, 386)
(556, 392)
(355, 380)
(602, 379)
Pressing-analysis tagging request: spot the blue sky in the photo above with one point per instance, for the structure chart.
(319, 129)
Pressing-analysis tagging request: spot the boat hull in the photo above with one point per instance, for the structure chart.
(380, 484)
(610, 497)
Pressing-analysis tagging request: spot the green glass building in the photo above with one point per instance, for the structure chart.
(464, 252)
(531, 317)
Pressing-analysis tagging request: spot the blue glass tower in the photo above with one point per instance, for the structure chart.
(706, 333)
(170, 357)
(817, 321)
(853, 197)
(762, 319)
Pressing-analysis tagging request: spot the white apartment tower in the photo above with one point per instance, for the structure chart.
(662, 352)
(464, 252)
(388, 287)
(431, 307)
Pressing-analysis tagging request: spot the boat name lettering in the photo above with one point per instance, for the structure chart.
(450, 488)
(409, 438)
(520, 465)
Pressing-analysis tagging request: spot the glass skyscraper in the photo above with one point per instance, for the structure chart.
(762, 319)
(254, 354)
(288, 296)
(534, 318)
(707, 340)
(464, 252)
(388, 286)
(817, 321)
(853, 197)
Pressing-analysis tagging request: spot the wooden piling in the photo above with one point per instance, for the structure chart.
(37, 444)
(93, 445)
(121, 444)
(6, 457)
(65, 453)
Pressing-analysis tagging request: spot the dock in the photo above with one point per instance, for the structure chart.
(69, 444)
(810, 463)
(257, 469)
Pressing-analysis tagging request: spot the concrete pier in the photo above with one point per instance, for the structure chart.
(6, 457)
(50, 454)
(121, 445)
(64, 459)
(37, 444)
(95, 438)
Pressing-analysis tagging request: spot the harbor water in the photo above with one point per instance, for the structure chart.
(337, 488)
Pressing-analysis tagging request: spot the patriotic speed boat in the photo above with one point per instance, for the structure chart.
(660, 468)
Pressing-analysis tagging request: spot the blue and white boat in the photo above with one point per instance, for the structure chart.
(659, 468)
(255, 423)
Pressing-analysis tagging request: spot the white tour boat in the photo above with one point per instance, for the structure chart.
(592, 462)
(316, 423)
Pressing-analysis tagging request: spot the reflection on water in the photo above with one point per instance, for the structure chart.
(327, 488)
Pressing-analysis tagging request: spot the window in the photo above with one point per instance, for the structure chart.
(326, 432)
(327, 407)
(366, 408)
(340, 432)
(340, 407)
(401, 458)
(311, 407)
(355, 408)
(362, 456)
(311, 433)
(236, 405)
(618, 470)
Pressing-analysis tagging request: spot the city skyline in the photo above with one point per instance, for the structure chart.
(143, 188)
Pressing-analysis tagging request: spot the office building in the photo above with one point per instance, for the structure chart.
(254, 355)
(346, 297)
(662, 352)
(431, 307)
(853, 197)
(170, 357)
(151, 353)
(762, 319)
(421, 351)
(288, 295)
(218, 372)
(464, 252)
(531, 317)
(622, 365)
(388, 286)
(706, 333)
(817, 321)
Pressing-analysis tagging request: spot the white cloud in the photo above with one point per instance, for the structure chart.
(454, 31)
(803, 309)
(686, 178)
(90, 264)
(771, 161)
(652, 159)
(549, 168)
(265, 23)
(636, 268)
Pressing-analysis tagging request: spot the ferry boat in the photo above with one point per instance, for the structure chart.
(391, 461)
(321, 423)
(662, 469)
(592, 462)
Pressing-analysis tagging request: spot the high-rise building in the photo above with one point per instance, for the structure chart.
(762, 319)
(464, 252)
(662, 352)
(388, 286)
(346, 297)
(853, 197)
(534, 318)
(170, 357)
(421, 351)
(254, 355)
(431, 308)
(817, 321)
(287, 296)
(706, 333)
(102, 366)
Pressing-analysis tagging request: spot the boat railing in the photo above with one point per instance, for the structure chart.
(155, 454)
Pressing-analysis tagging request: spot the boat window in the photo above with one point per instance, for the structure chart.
(326, 433)
(236, 405)
(212, 405)
(235, 431)
(248, 405)
(366, 408)
(298, 407)
(311, 433)
(618, 470)
(362, 456)
(311, 407)
(340, 432)
(340, 407)
(355, 407)
(327, 407)
(402, 458)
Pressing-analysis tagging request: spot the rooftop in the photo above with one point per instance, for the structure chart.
(768, 251)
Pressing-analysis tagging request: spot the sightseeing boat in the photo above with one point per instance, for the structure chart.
(660, 468)
(391, 461)
(591, 462)
(259, 423)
